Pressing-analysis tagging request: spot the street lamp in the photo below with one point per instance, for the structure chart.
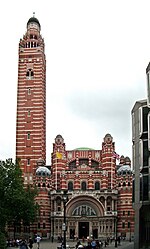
(116, 232)
(65, 199)
(130, 233)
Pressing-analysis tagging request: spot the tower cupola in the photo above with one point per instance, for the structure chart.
(33, 22)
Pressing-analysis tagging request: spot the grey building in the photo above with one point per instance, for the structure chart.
(141, 169)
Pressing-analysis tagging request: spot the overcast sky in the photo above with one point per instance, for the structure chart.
(97, 53)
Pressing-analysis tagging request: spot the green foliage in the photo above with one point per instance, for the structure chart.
(2, 241)
(17, 203)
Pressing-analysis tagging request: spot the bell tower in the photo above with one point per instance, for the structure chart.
(31, 100)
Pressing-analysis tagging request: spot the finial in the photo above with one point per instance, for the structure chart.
(33, 14)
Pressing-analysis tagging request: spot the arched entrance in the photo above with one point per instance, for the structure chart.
(84, 213)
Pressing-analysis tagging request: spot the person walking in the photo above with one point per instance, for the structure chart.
(23, 244)
(30, 243)
(38, 239)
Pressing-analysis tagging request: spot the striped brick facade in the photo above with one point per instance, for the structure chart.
(31, 100)
(99, 194)
(95, 185)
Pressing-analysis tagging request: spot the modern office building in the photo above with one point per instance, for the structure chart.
(141, 165)
(98, 192)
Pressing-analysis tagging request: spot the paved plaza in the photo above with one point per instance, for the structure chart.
(49, 245)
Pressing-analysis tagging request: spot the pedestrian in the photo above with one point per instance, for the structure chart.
(38, 239)
(30, 242)
(93, 244)
(52, 238)
(23, 244)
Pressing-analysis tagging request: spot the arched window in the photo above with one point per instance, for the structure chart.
(83, 186)
(109, 203)
(70, 185)
(72, 165)
(84, 210)
(28, 135)
(29, 91)
(102, 200)
(97, 186)
(58, 204)
(124, 184)
(29, 74)
(43, 185)
(29, 113)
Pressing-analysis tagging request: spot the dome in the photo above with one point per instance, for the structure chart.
(124, 169)
(83, 148)
(34, 19)
(43, 171)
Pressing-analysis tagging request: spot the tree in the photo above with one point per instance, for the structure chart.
(17, 203)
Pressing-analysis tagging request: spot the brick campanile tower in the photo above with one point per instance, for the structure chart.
(31, 100)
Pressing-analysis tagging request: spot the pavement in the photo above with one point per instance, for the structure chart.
(46, 244)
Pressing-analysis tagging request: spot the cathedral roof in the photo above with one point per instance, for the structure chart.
(33, 19)
(43, 171)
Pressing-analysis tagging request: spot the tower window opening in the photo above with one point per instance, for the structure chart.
(29, 91)
(28, 161)
(28, 135)
(29, 74)
(29, 113)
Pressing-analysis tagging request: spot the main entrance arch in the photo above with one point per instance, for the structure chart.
(83, 215)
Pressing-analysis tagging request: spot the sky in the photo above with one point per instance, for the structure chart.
(96, 55)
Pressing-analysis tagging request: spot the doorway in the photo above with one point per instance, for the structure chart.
(83, 230)
(95, 233)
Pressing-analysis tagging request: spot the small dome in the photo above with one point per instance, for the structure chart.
(33, 19)
(124, 169)
(43, 171)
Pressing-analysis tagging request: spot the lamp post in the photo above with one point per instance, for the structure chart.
(65, 199)
(130, 233)
(116, 232)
